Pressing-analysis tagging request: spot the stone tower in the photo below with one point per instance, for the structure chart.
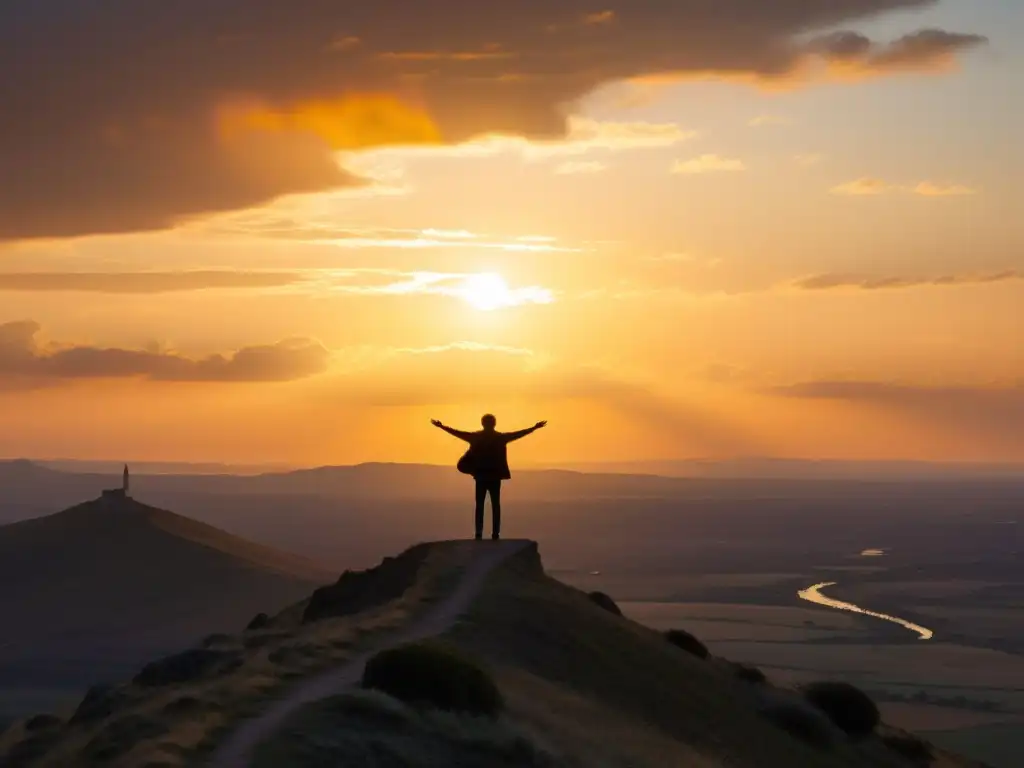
(124, 481)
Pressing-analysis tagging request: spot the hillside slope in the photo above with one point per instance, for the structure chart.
(89, 593)
(584, 688)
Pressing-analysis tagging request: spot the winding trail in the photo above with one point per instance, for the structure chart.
(236, 750)
(814, 595)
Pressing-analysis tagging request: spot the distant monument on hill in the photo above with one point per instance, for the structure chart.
(122, 492)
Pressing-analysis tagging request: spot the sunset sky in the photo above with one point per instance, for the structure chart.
(294, 231)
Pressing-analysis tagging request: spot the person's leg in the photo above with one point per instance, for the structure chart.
(481, 497)
(496, 509)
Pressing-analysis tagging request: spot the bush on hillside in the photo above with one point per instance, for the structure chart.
(99, 703)
(680, 638)
(121, 736)
(42, 723)
(602, 600)
(259, 621)
(217, 639)
(187, 666)
(847, 706)
(426, 674)
(750, 674)
(800, 720)
(910, 747)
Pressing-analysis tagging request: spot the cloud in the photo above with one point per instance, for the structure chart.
(482, 290)
(143, 282)
(853, 54)
(929, 189)
(989, 413)
(863, 187)
(600, 17)
(869, 186)
(313, 226)
(807, 159)
(582, 135)
(708, 164)
(129, 116)
(23, 358)
(836, 281)
(577, 167)
(762, 120)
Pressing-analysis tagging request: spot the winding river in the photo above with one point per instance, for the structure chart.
(814, 595)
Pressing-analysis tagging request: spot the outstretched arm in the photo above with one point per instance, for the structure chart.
(467, 436)
(510, 436)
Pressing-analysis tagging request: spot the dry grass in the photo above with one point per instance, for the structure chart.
(274, 659)
(584, 689)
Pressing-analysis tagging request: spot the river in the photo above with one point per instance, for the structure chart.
(814, 595)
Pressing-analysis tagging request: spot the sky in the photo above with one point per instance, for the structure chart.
(294, 232)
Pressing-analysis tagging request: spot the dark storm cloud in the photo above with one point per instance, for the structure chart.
(22, 359)
(123, 115)
(142, 282)
(830, 281)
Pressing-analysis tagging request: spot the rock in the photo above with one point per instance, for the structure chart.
(358, 591)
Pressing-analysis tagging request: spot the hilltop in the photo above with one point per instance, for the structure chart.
(89, 593)
(582, 686)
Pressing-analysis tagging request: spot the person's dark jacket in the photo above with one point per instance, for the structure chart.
(488, 451)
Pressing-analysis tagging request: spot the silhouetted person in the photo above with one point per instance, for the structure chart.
(487, 461)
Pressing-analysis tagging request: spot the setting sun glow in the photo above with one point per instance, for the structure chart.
(487, 292)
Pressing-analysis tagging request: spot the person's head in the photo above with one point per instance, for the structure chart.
(488, 421)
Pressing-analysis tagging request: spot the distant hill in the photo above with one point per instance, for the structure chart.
(808, 469)
(89, 593)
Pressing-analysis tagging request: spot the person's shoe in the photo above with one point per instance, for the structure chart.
(495, 537)
(479, 536)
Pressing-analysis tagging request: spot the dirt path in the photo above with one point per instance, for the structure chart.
(235, 751)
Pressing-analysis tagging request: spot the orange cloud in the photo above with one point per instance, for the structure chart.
(600, 17)
(354, 121)
(931, 189)
(323, 79)
(864, 187)
(871, 186)
(708, 164)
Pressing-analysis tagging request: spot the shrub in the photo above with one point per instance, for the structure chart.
(187, 666)
(602, 600)
(217, 639)
(680, 638)
(186, 705)
(120, 737)
(847, 706)
(428, 674)
(42, 723)
(750, 674)
(800, 721)
(911, 747)
(259, 621)
(99, 703)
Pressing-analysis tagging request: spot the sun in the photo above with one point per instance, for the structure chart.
(486, 291)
